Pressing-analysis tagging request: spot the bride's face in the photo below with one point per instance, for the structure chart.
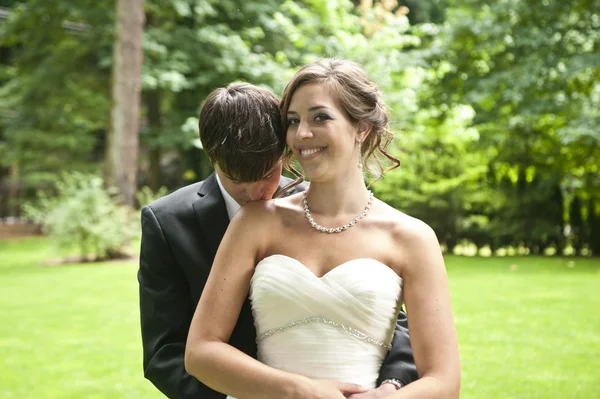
(319, 133)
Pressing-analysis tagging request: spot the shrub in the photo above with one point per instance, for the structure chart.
(84, 215)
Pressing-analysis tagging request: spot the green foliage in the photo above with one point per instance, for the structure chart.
(56, 99)
(441, 180)
(83, 214)
(495, 105)
(193, 47)
(530, 75)
(145, 196)
(432, 11)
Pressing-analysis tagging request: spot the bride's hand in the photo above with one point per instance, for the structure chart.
(330, 389)
(383, 391)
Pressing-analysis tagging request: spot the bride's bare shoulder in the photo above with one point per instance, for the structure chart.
(415, 244)
(289, 203)
(408, 232)
(269, 211)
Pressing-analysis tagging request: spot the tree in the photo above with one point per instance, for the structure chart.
(530, 74)
(54, 100)
(122, 140)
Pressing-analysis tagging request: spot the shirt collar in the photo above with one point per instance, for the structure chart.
(231, 204)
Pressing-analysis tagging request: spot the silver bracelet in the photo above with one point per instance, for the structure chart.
(394, 381)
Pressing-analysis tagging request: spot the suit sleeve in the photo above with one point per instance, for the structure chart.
(166, 313)
(399, 362)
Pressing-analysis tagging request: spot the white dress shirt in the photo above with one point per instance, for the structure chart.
(231, 204)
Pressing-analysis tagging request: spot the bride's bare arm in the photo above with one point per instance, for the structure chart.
(430, 322)
(208, 356)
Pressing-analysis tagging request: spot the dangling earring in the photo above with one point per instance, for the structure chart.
(360, 164)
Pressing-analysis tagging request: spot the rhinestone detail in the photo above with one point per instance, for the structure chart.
(336, 229)
(316, 319)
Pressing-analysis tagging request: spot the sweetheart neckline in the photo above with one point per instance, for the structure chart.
(297, 262)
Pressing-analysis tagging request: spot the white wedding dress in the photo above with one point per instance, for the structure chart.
(338, 327)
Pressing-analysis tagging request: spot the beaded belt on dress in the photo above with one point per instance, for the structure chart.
(315, 319)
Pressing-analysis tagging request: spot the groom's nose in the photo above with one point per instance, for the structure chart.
(257, 191)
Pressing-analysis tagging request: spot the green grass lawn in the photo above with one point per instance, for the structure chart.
(529, 327)
(68, 331)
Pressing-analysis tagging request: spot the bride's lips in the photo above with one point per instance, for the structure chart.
(310, 152)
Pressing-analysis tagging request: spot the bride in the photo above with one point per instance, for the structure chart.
(326, 270)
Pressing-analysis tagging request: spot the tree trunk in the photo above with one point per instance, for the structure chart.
(155, 122)
(122, 139)
(594, 228)
(576, 223)
(13, 194)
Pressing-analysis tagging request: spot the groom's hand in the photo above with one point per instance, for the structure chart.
(381, 392)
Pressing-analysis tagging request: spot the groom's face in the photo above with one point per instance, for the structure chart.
(244, 192)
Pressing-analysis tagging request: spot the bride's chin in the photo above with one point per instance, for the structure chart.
(317, 176)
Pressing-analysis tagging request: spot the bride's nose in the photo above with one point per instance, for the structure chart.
(303, 132)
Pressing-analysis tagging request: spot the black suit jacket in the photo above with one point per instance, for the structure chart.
(181, 233)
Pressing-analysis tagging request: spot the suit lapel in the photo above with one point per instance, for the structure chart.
(211, 214)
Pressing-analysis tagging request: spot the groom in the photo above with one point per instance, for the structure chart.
(241, 130)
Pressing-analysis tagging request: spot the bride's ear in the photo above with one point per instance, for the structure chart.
(364, 128)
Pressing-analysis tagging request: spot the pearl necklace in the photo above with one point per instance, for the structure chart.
(336, 229)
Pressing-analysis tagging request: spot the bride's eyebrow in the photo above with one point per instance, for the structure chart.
(314, 108)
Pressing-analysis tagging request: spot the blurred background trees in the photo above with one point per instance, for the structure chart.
(496, 106)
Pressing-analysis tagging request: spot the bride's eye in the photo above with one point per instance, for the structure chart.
(293, 121)
(321, 117)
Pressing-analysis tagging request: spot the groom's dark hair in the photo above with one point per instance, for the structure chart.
(241, 131)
